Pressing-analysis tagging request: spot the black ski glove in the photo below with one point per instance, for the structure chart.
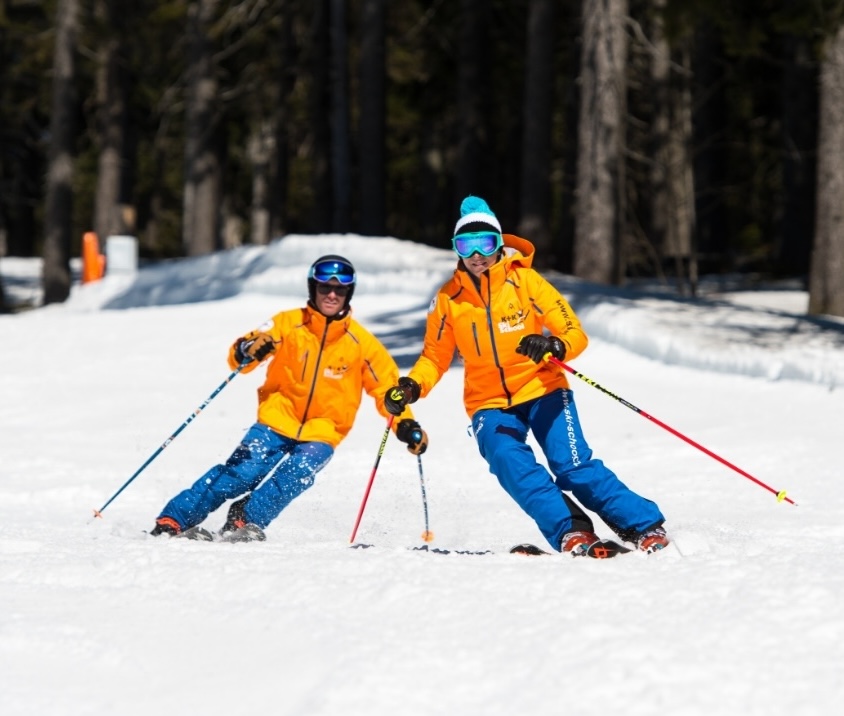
(410, 432)
(257, 348)
(397, 397)
(536, 346)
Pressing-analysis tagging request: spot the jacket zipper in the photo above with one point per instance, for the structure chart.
(488, 304)
(313, 382)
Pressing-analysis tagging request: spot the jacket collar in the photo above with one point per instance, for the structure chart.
(318, 324)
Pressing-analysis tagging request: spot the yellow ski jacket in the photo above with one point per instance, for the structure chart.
(484, 323)
(317, 374)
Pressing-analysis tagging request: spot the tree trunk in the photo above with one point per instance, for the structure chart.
(281, 156)
(826, 284)
(536, 133)
(568, 160)
(799, 170)
(202, 165)
(710, 156)
(471, 93)
(671, 179)
(261, 150)
(340, 135)
(4, 306)
(58, 212)
(601, 140)
(372, 119)
(320, 113)
(111, 122)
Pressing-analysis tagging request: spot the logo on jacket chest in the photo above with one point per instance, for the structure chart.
(335, 371)
(514, 321)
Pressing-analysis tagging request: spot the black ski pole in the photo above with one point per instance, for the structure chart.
(99, 512)
(427, 535)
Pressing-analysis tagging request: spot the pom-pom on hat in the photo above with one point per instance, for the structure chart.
(475, 215)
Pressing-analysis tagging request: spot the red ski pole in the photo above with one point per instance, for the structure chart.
(372, 478)
(781, 496)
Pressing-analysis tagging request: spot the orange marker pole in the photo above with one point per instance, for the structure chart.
(93, 262)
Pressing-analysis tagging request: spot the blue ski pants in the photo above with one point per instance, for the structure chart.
(260, 451)
(501, 435)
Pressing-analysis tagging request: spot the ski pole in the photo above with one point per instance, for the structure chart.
(99, 512)
(427, 535)
(372, 477)
(781, 496)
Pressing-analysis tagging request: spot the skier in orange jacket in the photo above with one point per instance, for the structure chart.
(320, 360)
(495, 312)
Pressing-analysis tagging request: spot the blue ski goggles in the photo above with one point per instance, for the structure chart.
(485, 243)
(324, 271)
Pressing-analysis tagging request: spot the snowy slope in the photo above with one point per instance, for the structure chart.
(741, 615)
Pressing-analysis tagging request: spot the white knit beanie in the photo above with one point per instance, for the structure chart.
(475, 215)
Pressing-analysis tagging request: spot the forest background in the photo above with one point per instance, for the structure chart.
(626, 138)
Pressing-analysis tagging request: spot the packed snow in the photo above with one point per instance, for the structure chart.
(741, 614)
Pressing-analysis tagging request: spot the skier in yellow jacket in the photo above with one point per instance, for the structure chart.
(495, 312)
(320, 360)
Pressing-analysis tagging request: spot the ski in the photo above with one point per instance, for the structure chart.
(197, 533)
(528, 549)
(602, 549)
(428, 548)
(440, 550)
(247, 533)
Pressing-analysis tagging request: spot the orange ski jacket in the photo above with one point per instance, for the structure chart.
(484, 323)
(317, 375)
